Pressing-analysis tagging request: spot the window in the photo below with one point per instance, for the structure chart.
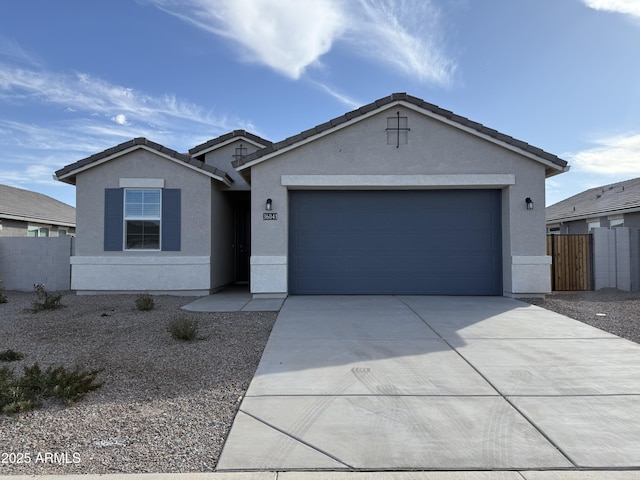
(35, 231)
(149, 219)
(142, 217)
(553, 229)
(616, 222)
(591, 224)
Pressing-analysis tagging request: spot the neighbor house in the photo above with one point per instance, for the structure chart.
(610, 206)
(24, 213)
(396, 197)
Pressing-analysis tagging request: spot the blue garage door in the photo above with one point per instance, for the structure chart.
(439, 242)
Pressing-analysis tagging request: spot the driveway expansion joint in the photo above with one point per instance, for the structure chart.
(506, 399)
(297, 439)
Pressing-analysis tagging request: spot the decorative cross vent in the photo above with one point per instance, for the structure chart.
(397, 130)
(241, 151)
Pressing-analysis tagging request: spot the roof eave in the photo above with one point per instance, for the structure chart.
(48, 221)
(553, 170)
(204, 151)
(69, 179)
(70, 176)
(595, 214)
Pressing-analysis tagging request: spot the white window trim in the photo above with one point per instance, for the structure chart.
(39, 227)
(615, 218)
(125, 218)
(590, 221)
(142, 183)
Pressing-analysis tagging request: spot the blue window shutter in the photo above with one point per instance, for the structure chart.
(171, 220)
(113, 202)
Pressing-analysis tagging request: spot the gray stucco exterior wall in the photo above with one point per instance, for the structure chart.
(223, 156)
(437, 155)
(187, 271)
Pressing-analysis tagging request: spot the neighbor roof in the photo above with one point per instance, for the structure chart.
(68, 173)
(28, 206)
(557, 165)
(616, 198)
(227, 137)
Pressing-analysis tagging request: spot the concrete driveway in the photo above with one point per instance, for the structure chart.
(437, 383)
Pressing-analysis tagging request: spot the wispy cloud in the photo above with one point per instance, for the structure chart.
(289, 36)
(613, 155)
(341, 97)
(83, 92)
(404, 34)
(81, 114)
(628, 7)
(10, 48)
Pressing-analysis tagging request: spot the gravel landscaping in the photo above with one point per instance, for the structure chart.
(165, 406)
(609, 309)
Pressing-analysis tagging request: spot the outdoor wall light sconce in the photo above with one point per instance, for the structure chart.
(529, 203)
(267, 205)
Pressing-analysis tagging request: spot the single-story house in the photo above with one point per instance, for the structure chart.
(396, 197)
(610, 206)
(24, 213)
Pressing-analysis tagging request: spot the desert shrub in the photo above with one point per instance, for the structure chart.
(70, 386)
(144, 302)
(10, 356)
(45, 300)
(19, 394)
(184, 328)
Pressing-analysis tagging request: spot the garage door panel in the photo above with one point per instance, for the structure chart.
(421, 242)
(394, 243)
(359, 265)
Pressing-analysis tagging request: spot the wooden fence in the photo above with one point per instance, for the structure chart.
(571, 267)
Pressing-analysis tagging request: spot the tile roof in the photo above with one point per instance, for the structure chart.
(19, 204)
(616, 197)
(398, 97)
(226, 137)
(67, 174)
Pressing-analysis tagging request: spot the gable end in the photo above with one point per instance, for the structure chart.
(553, 163)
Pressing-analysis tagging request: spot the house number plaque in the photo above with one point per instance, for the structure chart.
(270, 216)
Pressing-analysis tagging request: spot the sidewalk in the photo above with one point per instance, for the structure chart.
(384, 475)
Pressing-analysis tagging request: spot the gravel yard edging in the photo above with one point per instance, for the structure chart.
(609, 309)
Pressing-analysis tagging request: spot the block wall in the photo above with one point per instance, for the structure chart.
(26, 261)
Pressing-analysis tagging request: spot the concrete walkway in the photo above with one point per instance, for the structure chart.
(438, 383)
(234, 299)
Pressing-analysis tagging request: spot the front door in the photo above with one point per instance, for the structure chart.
(243, 239)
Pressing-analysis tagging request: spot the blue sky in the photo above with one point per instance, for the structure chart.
(78, 76)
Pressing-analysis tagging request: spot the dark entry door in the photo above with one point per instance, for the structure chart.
(445, 242)
(243, 240)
